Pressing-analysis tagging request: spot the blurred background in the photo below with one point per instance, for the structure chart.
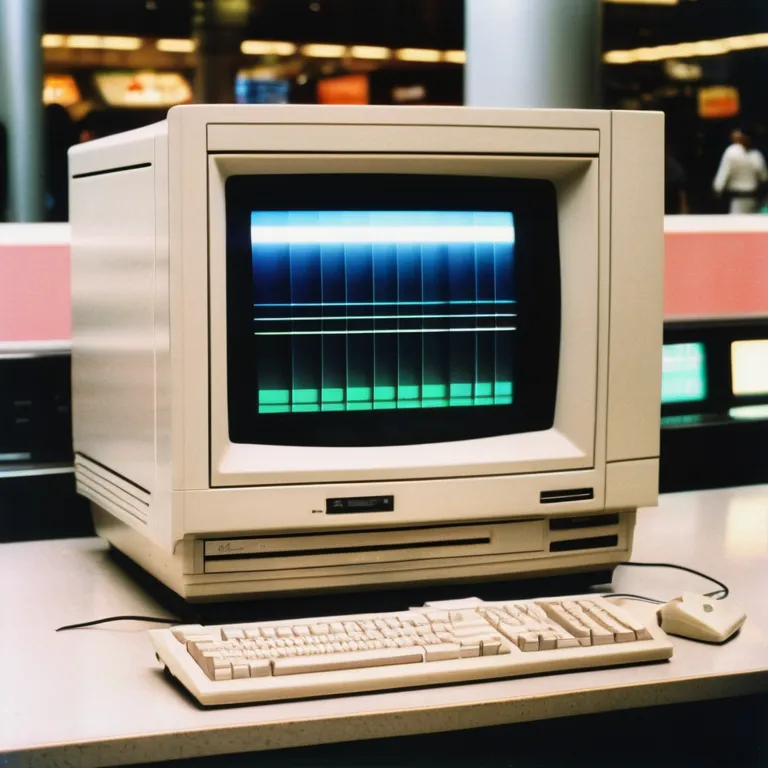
(75, 70)
(98, 67)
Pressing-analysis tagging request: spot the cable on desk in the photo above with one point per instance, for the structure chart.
(153, 619)
(629, 596)
(718, 594)
(723, 588)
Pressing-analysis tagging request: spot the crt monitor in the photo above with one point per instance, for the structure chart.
(347, 347)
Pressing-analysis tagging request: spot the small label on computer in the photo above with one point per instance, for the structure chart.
(359, 504)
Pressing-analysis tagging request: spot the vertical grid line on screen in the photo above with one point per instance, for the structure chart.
(321, 398)
(293, 327)
(476, 335)
(373, 326)
(397, 295)
(423, 366)
(496, 335)
(346, 324)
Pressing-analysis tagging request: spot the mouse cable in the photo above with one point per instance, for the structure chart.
(628, 596)
(718, 594)
(153, 619)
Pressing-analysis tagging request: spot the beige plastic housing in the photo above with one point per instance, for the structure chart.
(150, 373)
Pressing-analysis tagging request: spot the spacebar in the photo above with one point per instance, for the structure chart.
(299, 665)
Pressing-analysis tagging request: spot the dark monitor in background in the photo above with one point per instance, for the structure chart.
(714, 413)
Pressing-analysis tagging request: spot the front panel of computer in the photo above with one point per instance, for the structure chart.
(405, 327)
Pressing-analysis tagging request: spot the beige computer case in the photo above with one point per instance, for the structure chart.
(214, 519)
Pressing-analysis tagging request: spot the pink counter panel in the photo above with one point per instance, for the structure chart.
(716, 267)
(34, 283)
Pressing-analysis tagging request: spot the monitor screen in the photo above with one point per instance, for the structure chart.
(362, 310)
(749, 367)
(684, 373)
(376, 325)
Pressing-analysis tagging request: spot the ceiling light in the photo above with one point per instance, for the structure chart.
(711, 48)
(53, 41)
(266, 47)
(175, 45)
(370, 52)
(619, 57)
(107, 42)
(455, 57)
(744, 42)
(324, 50)
(688, 50)
(418, 54)
(112, 43)
(284, 49)
(647, 54)
(83, 41)
(643, 2)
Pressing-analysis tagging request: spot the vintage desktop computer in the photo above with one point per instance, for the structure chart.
(341, 348)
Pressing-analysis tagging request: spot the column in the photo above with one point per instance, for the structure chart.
(532, 53)
(218, 27)
(21, 107)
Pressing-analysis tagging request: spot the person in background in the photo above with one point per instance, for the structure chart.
(742, 171)
(3, 173)
(60, 135)
(675, 181)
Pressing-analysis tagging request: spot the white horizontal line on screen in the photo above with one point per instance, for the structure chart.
(376, 317)
(369, 235)
(393, 330)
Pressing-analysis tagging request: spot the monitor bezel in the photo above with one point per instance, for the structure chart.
(576, 441)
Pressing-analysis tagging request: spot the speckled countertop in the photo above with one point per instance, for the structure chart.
(98, 697)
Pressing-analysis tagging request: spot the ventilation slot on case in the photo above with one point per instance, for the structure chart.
(568, 494)
(583, 521)
(572, 545)
(110, 491)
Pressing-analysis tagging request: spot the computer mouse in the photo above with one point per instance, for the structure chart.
(701, 618)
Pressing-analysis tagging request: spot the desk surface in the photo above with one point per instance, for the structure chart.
(97, 697)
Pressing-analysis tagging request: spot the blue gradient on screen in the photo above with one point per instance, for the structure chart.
(369, 310)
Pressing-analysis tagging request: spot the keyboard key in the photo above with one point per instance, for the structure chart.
(442, 652)
(528, 641)
(351, 660)
(469, 650)
(490, 646)
(259, 668)
(621, 634)
(239, 671)
(184, 632)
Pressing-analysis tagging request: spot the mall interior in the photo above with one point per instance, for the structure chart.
(334, 308)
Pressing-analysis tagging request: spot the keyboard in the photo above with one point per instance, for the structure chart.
(439, 643)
